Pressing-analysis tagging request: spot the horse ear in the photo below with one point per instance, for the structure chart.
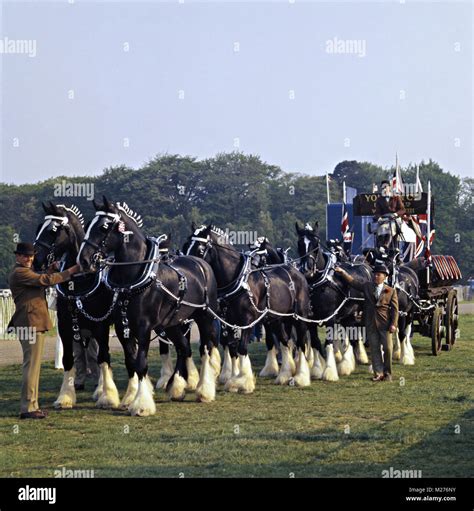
(54, 209)
(298, 229)
(106, 202)
(169, 236)
(194, 226)
(96, 205)
(45, 207)
(316, 226)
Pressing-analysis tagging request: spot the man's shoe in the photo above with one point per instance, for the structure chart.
(379, 377)
(37, 414)
(79, 386)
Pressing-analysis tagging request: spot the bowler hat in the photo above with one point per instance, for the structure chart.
(25, 249)
(381, 268)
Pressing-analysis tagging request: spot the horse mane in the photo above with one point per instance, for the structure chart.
(74, 210)
(124, 207)
(221, 233)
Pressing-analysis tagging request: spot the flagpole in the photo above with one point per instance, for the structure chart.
(327, 188)
(428, 217)
(344, 192)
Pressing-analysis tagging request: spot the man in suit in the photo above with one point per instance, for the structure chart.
(387, 203)
(381, 318)
(31, 320)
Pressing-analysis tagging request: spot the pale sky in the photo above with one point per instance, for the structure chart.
(204, 77)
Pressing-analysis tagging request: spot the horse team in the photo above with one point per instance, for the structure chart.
(132, 282)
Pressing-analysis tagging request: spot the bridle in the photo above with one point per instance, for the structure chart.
(58, 222)
(99, 253)
(311, 255)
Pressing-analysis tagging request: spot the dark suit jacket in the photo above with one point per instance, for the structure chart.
(28, 291)
(382, 313)
(393, 205)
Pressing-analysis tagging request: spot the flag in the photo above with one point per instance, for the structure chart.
(418, 187)
(346, 233)
(397, 183)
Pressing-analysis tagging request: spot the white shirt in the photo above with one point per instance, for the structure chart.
(378, 290)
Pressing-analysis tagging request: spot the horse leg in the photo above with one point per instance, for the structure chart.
(288, 366)
(109, 398)
(270, 369)
(206, 387)
(397, 348)
(319, 364)
(67, 393)
(407, 353)
(244, 382)
(167, 368)
(176, 387)
(226, 371)
(360, 351)
(330, 371)
(302, 376)
(347, 364)
(143, 403)
(130, 353)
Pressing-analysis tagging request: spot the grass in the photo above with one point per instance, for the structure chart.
(352, 428)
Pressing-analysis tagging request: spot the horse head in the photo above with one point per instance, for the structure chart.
(308, 247)
(113, 227)
(60, 233)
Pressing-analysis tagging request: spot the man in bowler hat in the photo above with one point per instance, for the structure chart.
(31, 320)
(381, 318)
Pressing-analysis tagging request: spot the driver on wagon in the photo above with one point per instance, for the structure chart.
(387, 203)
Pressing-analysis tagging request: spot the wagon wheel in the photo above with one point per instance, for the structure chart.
(451, 319)
(436, 331)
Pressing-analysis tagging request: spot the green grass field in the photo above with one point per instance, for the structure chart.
(350, 428)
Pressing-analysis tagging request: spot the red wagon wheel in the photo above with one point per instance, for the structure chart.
(436, 331)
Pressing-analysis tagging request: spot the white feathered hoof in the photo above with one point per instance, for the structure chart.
(67, 393)
(347, 364)
(319, 365)
(362, 357)
(338, 356)
(330, 373)
(407, 353)
(143, 405)
(167, 371)
(302, 377)
(310, 356)
(397, 355)
(270, 369)
(193, 374)
(288, 367)
(100, 387)
(206, 388)
(215, 361)
(177, 390)
(130, 393)
(226, 372)
(110, 397)
(244, 382)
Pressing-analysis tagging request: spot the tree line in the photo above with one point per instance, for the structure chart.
(234, 191)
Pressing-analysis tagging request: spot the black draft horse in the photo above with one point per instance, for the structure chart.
(160, 298)
(59, 237)
(244, 294)
(328, 291)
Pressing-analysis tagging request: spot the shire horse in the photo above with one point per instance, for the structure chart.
(328, 291)
(157, 295)
(84, 307)
(245, 293)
